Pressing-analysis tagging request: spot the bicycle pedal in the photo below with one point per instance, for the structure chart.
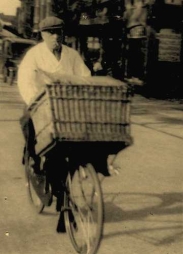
(61, 225)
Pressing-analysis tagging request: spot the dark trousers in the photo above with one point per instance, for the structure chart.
(28, 131)
(136, 58)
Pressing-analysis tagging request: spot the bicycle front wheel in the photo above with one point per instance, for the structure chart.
(85, 213)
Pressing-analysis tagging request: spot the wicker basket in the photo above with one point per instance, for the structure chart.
(75, 113)
(169, 46)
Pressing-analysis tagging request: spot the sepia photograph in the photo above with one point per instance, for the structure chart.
(91, 126)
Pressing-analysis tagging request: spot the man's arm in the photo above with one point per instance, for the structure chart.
(27, 77)
(80, 68)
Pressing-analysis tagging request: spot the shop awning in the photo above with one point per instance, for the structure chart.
(6, 33)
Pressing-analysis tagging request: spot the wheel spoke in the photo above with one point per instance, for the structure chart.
(85, 200)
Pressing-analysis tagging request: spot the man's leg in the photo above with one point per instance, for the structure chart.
(29, 136)
(37, 177)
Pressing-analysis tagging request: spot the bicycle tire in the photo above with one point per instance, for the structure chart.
(33, 197)
(82, 211)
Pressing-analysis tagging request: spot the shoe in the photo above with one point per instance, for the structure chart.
(61, 224)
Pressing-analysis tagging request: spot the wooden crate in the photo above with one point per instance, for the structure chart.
(75, 113)
(169, 46)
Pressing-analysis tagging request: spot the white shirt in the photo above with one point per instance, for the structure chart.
(39, 61)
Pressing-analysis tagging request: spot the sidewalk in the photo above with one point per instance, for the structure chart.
(161, 115)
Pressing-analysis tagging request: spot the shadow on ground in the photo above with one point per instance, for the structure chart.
(140, 208)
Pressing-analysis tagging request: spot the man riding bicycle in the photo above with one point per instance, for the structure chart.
(41, 65)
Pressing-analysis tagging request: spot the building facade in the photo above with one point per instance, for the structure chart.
(30, 13)
(158, 30)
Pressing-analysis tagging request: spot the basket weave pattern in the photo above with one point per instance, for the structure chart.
(82, 113)
(169, 46)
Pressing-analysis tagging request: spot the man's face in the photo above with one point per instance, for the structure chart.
(53, 38)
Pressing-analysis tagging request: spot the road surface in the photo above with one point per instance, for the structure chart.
(143, 204)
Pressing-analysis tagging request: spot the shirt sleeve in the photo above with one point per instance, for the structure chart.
(80, 68)
(26, 79)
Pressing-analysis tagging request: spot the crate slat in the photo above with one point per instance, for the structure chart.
(81, 113)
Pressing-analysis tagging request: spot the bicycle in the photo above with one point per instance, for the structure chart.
(75, 119)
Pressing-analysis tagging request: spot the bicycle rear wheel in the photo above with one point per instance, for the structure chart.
(85, 213)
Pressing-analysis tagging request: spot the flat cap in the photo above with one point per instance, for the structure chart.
(51, 22)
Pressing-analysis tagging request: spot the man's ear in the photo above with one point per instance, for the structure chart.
(43, 35)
